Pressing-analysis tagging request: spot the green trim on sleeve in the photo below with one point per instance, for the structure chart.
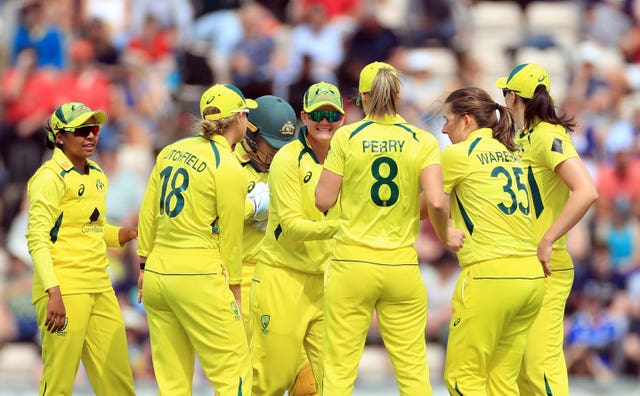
(56, 228)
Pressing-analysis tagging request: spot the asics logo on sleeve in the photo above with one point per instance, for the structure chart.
(307, 177)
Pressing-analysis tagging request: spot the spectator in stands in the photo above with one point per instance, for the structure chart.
(318, 39)
(35, 31)
(619, 176)
(251, 64)
(370, 42)
(28, 96)
(83, 81)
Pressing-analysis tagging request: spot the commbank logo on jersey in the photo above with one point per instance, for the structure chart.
(234, 309)
(264, 322)
(307, 177)
(81, 190)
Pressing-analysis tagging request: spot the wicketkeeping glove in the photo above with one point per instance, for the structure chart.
(259, 198)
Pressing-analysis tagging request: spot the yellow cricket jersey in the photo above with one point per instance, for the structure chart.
(542, 149)
(195, 200)
(298, 235)
(67, 232)
(251, 236)
(489, 199)
(380, 161)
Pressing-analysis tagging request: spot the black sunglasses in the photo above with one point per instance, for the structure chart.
(85, 130)
(330, 115)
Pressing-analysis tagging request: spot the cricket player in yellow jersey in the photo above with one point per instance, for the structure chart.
(190, 247)
(287, 293)
(501, 286)
(377, 167)
(78, 313)
(270, 127)
(561, 191)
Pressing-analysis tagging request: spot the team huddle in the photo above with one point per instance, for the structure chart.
(265, 252)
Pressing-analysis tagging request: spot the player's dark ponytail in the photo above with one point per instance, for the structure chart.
(542, 108)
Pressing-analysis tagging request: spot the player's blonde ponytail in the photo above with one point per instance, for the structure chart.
(208, 128)
(384, 95)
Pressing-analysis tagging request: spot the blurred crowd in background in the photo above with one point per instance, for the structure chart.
(146, 63)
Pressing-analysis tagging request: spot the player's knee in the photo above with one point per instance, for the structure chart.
(305, 383)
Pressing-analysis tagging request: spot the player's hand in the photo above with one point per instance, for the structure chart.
(544, 255)
(127, 234)
(455, 239)
(259, 198)
(56, 312)
(140, 279)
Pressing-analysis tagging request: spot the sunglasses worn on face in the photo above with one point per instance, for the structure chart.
(85, 130)
(330, 115)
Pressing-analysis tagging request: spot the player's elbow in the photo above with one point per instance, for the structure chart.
(589, 194)
(323, 203)
(436, 204)
(593, 196)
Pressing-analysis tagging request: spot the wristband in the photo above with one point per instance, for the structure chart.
(142, 266)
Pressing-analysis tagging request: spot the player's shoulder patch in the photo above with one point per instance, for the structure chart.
(556, 145)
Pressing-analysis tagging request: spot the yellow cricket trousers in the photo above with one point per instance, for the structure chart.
(494, 305)
(95, 334)
(397, 293)
(194, 314)
(544, 371)
(286, 315)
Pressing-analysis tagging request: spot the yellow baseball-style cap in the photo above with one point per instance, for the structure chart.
(226, 97)
(524, 79)
(320, 94)
(71, 115)
(369, 72)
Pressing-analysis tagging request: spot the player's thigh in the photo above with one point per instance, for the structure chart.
(62, 351)
(106, 351)
(280, 318)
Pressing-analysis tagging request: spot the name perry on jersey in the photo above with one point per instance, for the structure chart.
(382, 146)
(497, 156)
(187, 158)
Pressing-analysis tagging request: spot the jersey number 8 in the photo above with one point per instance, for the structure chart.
(384, 181)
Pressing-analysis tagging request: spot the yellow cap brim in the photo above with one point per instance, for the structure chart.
(501, 82)
(99, 115)
(251, 104)
(321, 103)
